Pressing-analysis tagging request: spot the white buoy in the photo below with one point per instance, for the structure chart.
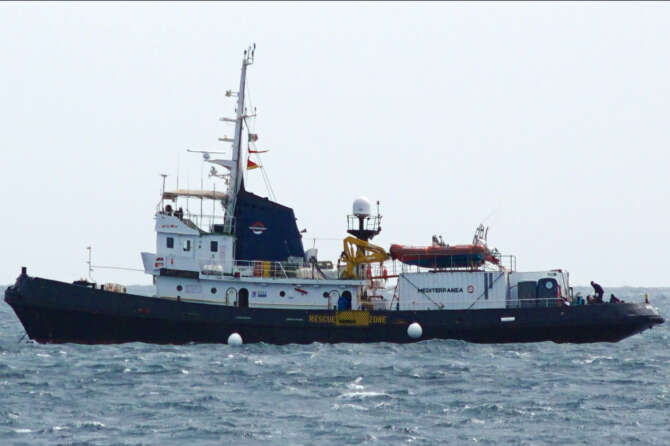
(235, 339)
(414, 330)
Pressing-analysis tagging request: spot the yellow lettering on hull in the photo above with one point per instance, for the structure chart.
(321, 319)
(347, 319)
(377, 319)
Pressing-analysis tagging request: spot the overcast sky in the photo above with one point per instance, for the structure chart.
(548, 121)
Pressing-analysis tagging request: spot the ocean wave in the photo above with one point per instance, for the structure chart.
(432, 392)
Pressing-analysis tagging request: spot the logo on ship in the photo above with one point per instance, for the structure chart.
(258, 228)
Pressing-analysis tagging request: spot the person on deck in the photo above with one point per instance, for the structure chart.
(594, 300)
(598, 291)
(614, 299)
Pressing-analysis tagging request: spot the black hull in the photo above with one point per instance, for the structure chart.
(52, 311)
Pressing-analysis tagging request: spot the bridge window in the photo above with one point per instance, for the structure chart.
(214, 246)
(187, 245)
(170, 242)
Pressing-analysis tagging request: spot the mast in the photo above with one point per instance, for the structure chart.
(237, 169)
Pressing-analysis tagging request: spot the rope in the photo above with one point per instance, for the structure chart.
(117, 267)
(264, 174)
(266, 179)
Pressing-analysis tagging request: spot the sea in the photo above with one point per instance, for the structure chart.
(427, 393)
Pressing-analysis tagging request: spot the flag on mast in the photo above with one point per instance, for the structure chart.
(251, 165)
(253, 137)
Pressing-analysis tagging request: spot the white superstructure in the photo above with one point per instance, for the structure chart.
(194, 260)
(193, 265)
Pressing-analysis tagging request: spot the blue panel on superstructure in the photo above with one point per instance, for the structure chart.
(265, 230)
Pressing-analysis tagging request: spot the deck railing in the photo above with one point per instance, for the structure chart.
(374, 271)
(212, 222)
(469, 303)
(391, 268)
(265, 269)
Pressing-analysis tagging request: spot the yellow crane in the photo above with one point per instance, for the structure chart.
(357, 252)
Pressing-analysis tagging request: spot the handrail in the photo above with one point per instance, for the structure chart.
(204, 221)
(506, 262)
(263, 268)
(391, 269)
(283, 270)
(457, 303)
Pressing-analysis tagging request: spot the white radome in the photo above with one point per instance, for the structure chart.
(235, 339)
(414, 330)
(361, 207)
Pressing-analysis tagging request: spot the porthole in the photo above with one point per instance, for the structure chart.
(282, 294)
(326, 295)
(213, 290)
(179, 288)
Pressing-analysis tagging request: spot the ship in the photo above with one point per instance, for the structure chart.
(243, 276)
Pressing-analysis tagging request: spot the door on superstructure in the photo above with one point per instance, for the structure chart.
(527, 293)
(547, 291)
(231, 296)
(243, 298)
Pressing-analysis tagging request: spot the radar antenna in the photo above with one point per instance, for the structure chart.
(362, 224)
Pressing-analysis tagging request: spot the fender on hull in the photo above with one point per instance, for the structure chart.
(58, 312)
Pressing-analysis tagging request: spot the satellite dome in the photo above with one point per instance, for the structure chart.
(361, 207)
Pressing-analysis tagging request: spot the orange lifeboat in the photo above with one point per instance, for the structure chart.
(457, 256)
